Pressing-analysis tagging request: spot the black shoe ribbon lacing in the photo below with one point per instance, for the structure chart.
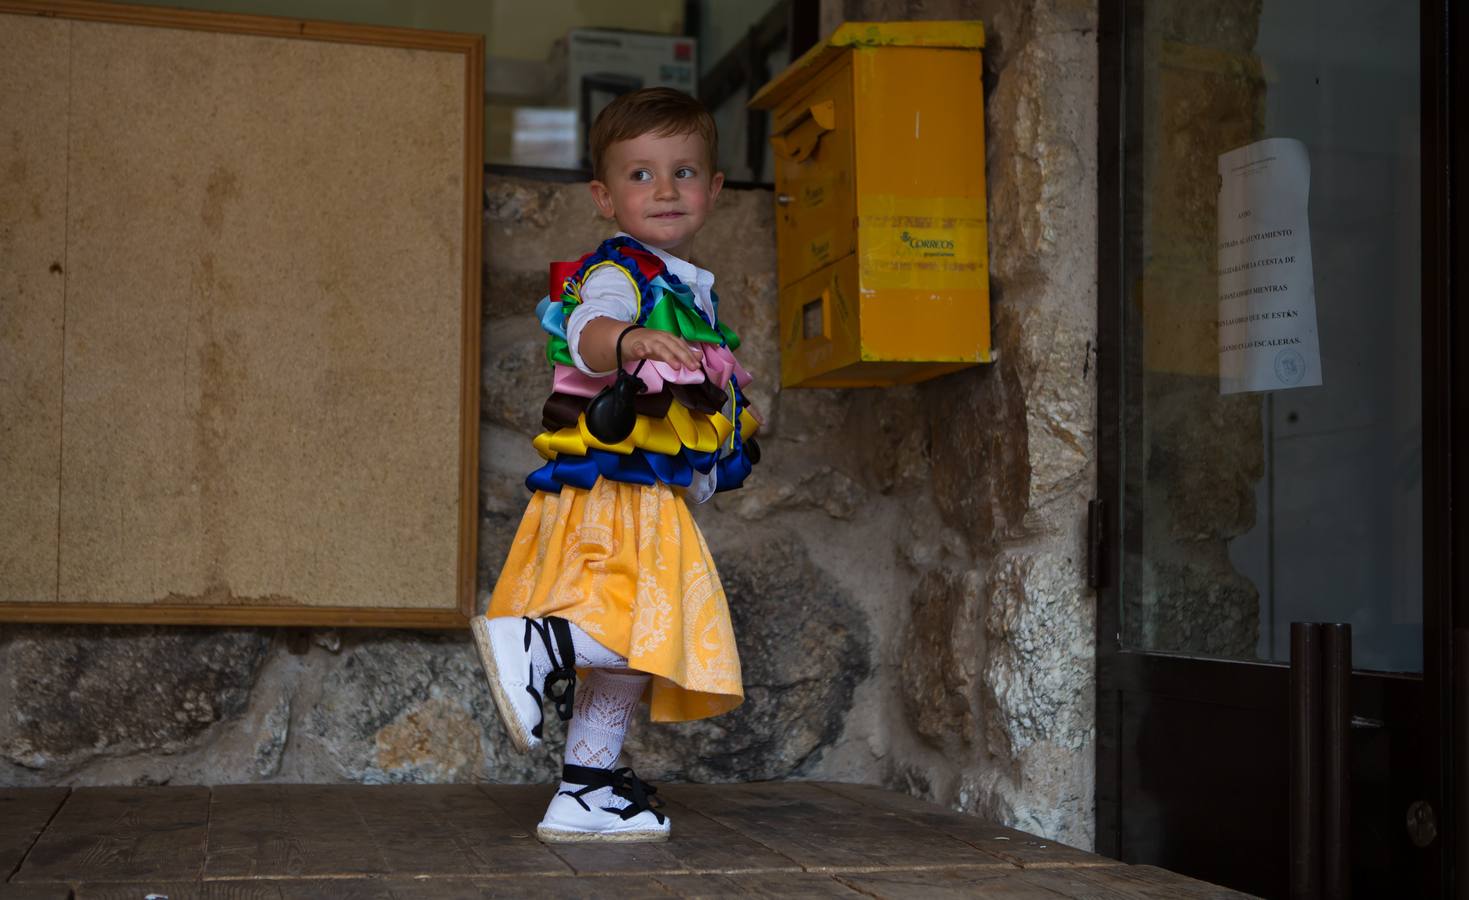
(641, 796)
(560, 682)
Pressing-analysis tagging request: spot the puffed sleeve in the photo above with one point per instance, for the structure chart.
(606, 293)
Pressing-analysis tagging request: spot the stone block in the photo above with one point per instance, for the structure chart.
(528, 225)
(942, 655)
(1053, 362)
(981, 461)
(811, 415)
(804, 647)
(1040, 637)
(82, 692)
(270, 745)
(411, 707)
(1040, 130)
(924, 541)
(822, 488)
(892, 454)
(515, 377)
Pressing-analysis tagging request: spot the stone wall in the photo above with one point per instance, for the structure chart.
(905, 569)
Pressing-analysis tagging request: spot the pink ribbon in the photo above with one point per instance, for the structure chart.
(719, 362)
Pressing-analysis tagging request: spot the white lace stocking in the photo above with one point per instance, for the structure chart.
(589, 654)
(605, 703)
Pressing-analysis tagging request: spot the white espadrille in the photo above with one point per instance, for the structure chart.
(507, 664)
(612, 806)
(505, 651)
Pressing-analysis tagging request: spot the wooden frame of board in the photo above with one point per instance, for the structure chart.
(442, 611)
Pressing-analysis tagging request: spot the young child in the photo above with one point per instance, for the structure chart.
(608, 574)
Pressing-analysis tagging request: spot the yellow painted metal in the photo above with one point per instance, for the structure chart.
(879, 155)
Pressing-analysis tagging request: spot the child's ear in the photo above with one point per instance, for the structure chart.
(715, 184)
(603, 198)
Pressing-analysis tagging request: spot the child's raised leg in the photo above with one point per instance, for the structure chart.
(597, 802)
(524, 657)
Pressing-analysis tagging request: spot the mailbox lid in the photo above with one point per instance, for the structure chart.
(953, 35)
(812, 139)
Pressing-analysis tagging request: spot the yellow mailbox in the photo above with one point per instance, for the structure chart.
(878, 138)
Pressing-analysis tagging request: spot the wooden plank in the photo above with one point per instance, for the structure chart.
(1015, 847)
(35, 892)
(173, 890)
(405, 842)
(704, 844)
(531, 887)
(333, 889)
(456, 828)
(1128, 883)
(616, 887)
(288, 830)
(936, 884)
(824, 831)
(699, 843)
(24, 812)
(756, 884)
(123, 834)
(372, 888)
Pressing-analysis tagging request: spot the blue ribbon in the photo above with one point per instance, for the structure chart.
(611, 249)
(735, 466)
(638, 467)
(553, 319)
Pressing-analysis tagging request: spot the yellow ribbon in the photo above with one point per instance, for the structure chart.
(669, 435)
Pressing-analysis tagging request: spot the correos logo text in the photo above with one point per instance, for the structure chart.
(918, 243)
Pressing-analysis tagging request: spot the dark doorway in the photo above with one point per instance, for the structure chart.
(1276, 269)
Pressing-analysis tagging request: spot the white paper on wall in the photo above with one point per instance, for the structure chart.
(1267, 293)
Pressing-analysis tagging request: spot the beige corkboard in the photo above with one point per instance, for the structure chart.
(240, 381)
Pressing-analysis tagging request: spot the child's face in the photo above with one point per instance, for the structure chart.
(659, 188)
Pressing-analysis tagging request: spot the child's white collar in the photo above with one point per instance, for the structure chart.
(686, 271)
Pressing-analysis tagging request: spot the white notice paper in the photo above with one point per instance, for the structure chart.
(1267, 294)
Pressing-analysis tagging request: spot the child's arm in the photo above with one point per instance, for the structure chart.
(598, 345)
(609, 304)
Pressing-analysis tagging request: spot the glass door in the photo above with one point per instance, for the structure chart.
(1264, 359)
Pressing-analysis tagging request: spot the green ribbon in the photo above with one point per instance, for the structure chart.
(673, 313)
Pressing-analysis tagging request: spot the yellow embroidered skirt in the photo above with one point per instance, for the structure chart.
(627, 564)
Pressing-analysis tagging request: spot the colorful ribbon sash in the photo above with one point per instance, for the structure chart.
(680, 429)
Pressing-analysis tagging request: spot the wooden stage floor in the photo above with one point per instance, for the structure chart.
(790, 839)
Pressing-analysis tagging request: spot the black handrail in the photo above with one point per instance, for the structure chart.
(1320, 750)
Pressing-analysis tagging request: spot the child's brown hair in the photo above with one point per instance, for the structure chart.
(656, 110)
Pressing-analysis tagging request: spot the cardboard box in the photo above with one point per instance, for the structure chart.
(592, 66)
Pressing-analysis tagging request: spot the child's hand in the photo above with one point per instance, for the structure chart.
(659, 346)
(598, 346)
